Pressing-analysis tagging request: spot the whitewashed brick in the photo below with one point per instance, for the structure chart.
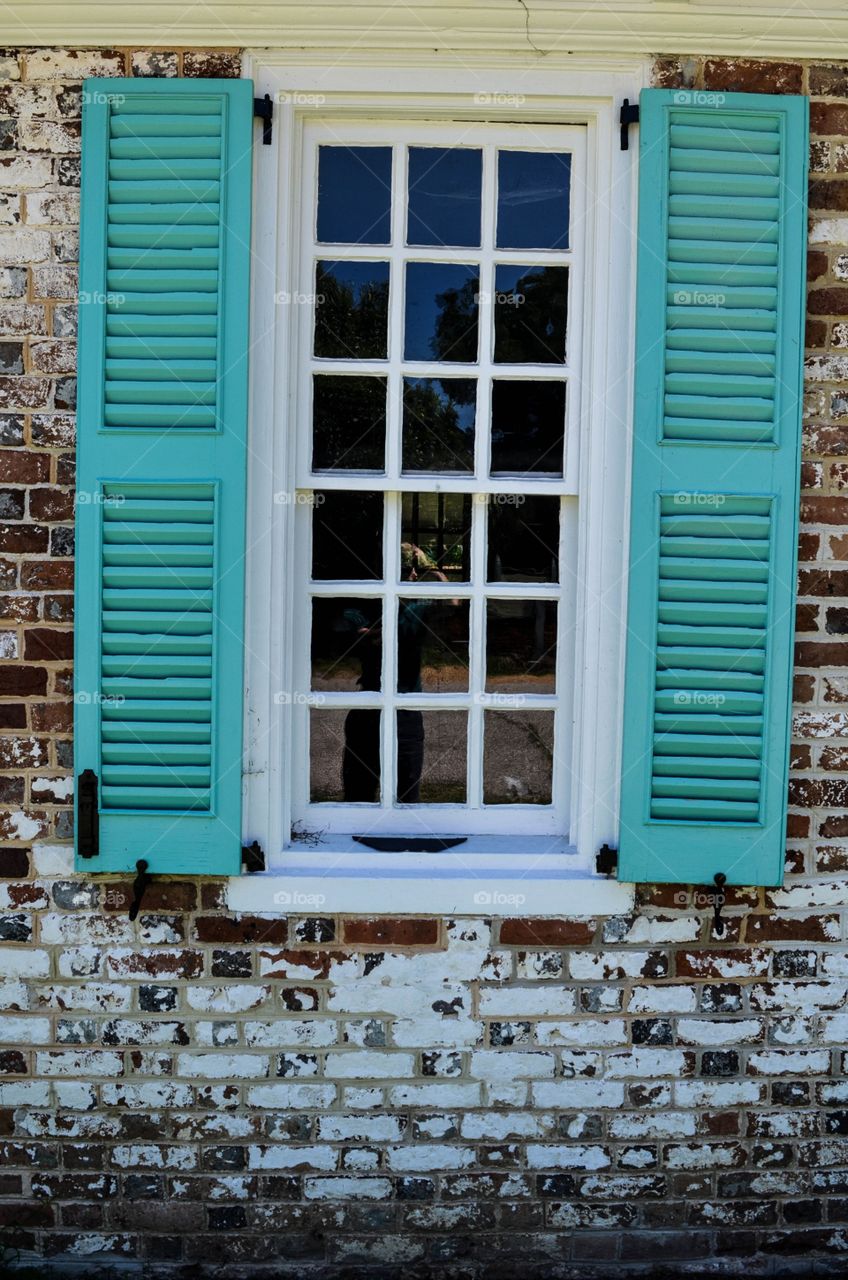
(20, 962)
(75, 1096)
(722, 1031)
(567, 1157)
(24, 1093)
(368, 1066)
(149, 1156)
(663, 999)
(719, 1093)
(238, 998)
(438, 1094)
(21, 246)
(526, 1002)
(299, 1158)
(582, 1032)
(60, 64)
(221, 1066)
(497, 1126)
(79, 1062)
(576, 1094)
(149, 1094)
(397, 999)
(646, 1064)
(424, 1159)
(294, 1097)
(653, 1124)
(436, 1032)
(24, 1030)
(783, 1062)
(347, 1188)
(342, 1128)
(53, 860)
(290, 1032)
(500, 1065)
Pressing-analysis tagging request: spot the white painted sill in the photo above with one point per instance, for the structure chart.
(484, 876)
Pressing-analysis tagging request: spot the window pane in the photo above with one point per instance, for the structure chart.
(528, 427)
(431, 757)
(352, 310)
(348, 423)
(436, 537)
(523, 532)
(347, 644)
(432, 646)
(521, 646)
(438, 424)
(518, 749)
(347, 535)
(533, 192)
(444, 195)
(344, 755)
(441, 311)
(531, 308)
(354, 195)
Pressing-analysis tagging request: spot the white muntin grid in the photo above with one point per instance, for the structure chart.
(472, 817)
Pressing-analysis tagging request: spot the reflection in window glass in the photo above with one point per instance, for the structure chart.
(444, 196)
(351, 310)
(348, 423)
(518, 752)
(431, 757)
(441, 311)
(438, 424)
(347, 535)
(347, 644)
(435, 537)
(523, 538)
(533, 193)
(432, 645)
(344, 755)
(521, 646)
(531, 309)
(354, 195)
(528, 427)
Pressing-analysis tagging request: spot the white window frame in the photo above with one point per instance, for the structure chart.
(558, 91)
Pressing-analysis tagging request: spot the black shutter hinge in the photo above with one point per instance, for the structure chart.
(264, 109)
(253, 857)
(606, 860)
(628, 115)
(88, 818)
(142, 880)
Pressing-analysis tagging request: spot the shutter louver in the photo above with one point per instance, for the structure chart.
(720, 308)
(162, 466)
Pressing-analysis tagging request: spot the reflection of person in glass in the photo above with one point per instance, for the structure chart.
(361, 761)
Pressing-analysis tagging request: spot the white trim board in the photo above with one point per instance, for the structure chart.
(553, 29)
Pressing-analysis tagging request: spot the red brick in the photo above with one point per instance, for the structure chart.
(47, 575)
(807, 617)
(801, 757)
(819, 793)
(797, 826)
(546, 933)
(241, 929)
(779, 928)
(823, 510)
(808, 546)
(816, 262)
(24, 537)
(20, 608)
(404, 932)
(803, 688)
(14, 863)
(13, 715)
(752, 75)
(43, 644)
(25, 393)
(213, 896)
(810, 653)
(23, 681)
(816, 333)
(828, 118)
(823, 582)
(52, 717)
(51, 504)
(829, 80)
(160, 895)
(19, 466)
(833, 301)
(222, 63)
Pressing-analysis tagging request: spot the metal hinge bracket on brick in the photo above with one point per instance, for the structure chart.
(253, 857)
(606, 860)
(628, 115)
(88, 817)
(263, 108)
(142, 880)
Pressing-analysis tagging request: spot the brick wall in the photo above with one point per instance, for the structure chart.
(198, 1093)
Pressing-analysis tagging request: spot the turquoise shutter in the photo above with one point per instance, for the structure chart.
(166, 190)
(716, 447)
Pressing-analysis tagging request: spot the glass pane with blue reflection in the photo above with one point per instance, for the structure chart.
(441, 312)
(352, 310)
(438, 424)
(531, 314)
(445, 185)
(533, 199)
(354, 195)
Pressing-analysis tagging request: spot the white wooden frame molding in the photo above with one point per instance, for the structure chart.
(530, 874)
(542, 28)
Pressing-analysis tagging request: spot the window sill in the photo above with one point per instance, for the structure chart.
(483, 877)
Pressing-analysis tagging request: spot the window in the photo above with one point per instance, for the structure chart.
(437, 424)
(434, 636)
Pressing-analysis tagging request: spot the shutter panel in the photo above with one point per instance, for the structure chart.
(166, 190)
(716, 452)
